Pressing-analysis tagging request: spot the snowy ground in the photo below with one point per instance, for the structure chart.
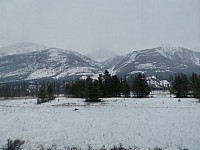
(159, 121)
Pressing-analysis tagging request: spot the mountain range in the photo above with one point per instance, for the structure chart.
(160, 61)
(29, 61)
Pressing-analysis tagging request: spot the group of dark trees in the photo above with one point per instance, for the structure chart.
(17, 90)
(45, 93)
(30, 88)
(184, 86)
(140, 86)
(108, 86)
(92, 89)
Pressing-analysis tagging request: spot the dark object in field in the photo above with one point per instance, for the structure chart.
(75, 109)
(179, 100)
(13, 144)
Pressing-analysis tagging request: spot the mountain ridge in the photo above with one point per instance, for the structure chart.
(52, 63)
(152, 61)
(58, 63)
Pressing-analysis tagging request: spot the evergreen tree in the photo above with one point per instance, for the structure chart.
(115, 86)
(18, 93)
(67, 89)
(92, 90)
(42, 94)
(180, 86)
(105, 83)
(77, 89)
(101, 84)
(7, 91)
(24, 88)
(140, 86)
(1, 91)
(45, 94)
(195, 85)
(50, 89)
(125, 87)
(58, 88)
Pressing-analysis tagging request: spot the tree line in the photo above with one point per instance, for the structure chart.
(30, 88)
(106, 85)
(186, 86)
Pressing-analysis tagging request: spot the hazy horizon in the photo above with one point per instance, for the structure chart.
(117, 25)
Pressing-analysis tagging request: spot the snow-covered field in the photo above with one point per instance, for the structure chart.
(160, 121)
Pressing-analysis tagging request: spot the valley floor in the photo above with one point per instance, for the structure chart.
(160, 121)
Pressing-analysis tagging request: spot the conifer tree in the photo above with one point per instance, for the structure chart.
(77, 88)
(67, 89)
(115, 86)
(49, 91)
(125, 87)
(140, 86)
(7, 91)
(180, 86)
(92, 90)
(42, 94)
(24, 88)
(101, 84)
(195, 85)
(107, 84)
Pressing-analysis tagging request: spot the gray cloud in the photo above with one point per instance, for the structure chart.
(119, 25)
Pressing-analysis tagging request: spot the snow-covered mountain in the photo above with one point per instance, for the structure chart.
(21, 48)
(162, 60)
(101, 54)
(29, 61)
(49, 63)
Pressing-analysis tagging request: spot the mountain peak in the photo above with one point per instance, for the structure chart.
(168, 49)
(167, 46)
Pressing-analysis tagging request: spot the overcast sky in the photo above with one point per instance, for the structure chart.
(87, 25)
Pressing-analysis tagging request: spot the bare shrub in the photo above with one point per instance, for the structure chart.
(13, 144)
